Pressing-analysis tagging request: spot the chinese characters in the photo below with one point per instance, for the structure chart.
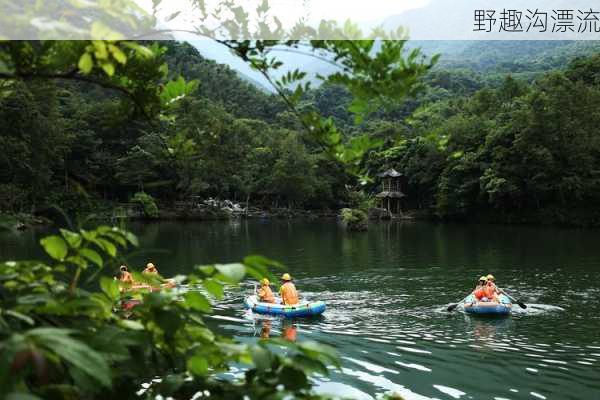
(540, 21)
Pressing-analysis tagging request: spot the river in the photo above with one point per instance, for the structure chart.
(387, 291)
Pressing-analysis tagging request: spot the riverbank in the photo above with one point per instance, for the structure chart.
(227, 210)
(22, 221)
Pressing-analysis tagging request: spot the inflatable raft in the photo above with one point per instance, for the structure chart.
(305, 309)
(472, 306)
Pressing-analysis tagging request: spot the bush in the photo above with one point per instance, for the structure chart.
(148, 204)
(355, 219)
(60, 341)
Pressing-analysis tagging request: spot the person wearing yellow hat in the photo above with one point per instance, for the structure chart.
(150, 269)
(479, 291)
(491, 290)
(125, 275)
(289, 295)
(265, 294)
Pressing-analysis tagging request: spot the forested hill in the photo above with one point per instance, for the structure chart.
(502, 57)
(221, 84)
(504, 147)
(84, 149)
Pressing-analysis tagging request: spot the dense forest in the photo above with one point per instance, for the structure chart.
(508, 142)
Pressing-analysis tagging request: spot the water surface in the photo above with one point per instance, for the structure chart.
(387, 291)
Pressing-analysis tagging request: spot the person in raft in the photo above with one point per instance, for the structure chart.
(265, 294)
(479, 291)
(492, 288)
(289, 295)
(125, 275)
(486, 289)
(150, 269)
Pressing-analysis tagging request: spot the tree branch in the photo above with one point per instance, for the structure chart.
(75, 76)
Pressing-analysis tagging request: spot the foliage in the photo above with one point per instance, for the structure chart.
(355, 219)
(62, 334)
(148, 204)
(518, 152)
(183, 127)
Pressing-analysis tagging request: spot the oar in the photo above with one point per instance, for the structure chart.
(451, 307)
(520, 303)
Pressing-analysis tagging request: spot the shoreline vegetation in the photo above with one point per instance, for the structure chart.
(149, 130)
(350, 218)
(484, 146)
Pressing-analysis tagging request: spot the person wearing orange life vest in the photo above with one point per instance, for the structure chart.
(150, 269)
(491, 290)
(289, 295)
(265, 294)
(125, 275)
(479, 291)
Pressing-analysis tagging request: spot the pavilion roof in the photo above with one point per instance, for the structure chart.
(390, 173)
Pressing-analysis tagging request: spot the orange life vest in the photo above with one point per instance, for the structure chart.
(479, 293)
(126, 277)
(265, 294)
(288, 292)
(490, 290)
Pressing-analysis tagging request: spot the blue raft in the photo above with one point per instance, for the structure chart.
(306, 309)
(472, 306)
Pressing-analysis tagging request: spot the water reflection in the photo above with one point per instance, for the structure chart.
(387, 291)
(289, 329)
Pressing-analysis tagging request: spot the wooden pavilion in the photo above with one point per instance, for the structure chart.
(391, 194)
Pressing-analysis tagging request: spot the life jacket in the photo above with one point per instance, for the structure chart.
(150, 271)
(490, 290)
(479, 293)
(126, 277)
(288, 292)
(265, 294)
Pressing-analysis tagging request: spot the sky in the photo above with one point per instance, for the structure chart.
(365, 13)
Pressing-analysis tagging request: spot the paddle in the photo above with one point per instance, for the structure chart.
(451, 307)
(521, 304)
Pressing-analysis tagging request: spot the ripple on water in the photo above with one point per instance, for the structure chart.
(391, 342)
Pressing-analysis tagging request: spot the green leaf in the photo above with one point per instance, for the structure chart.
(86, 63)
(72, 238)
(108, 67)
(133, 325)
(100, 52)
(213, 287)
(197, 365)
(198, 301)
(319, 352)
(261, 358)
(116, 237)
(232, 273)
(92, 255)
(74, 352)
(309, 365)
(18, 315)
(77, 260)
(132, 239)
(87, 235)
(117, 53)
(207, 270)
(55, 246)
(107, 246)
(110, 287)
(293, 379)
